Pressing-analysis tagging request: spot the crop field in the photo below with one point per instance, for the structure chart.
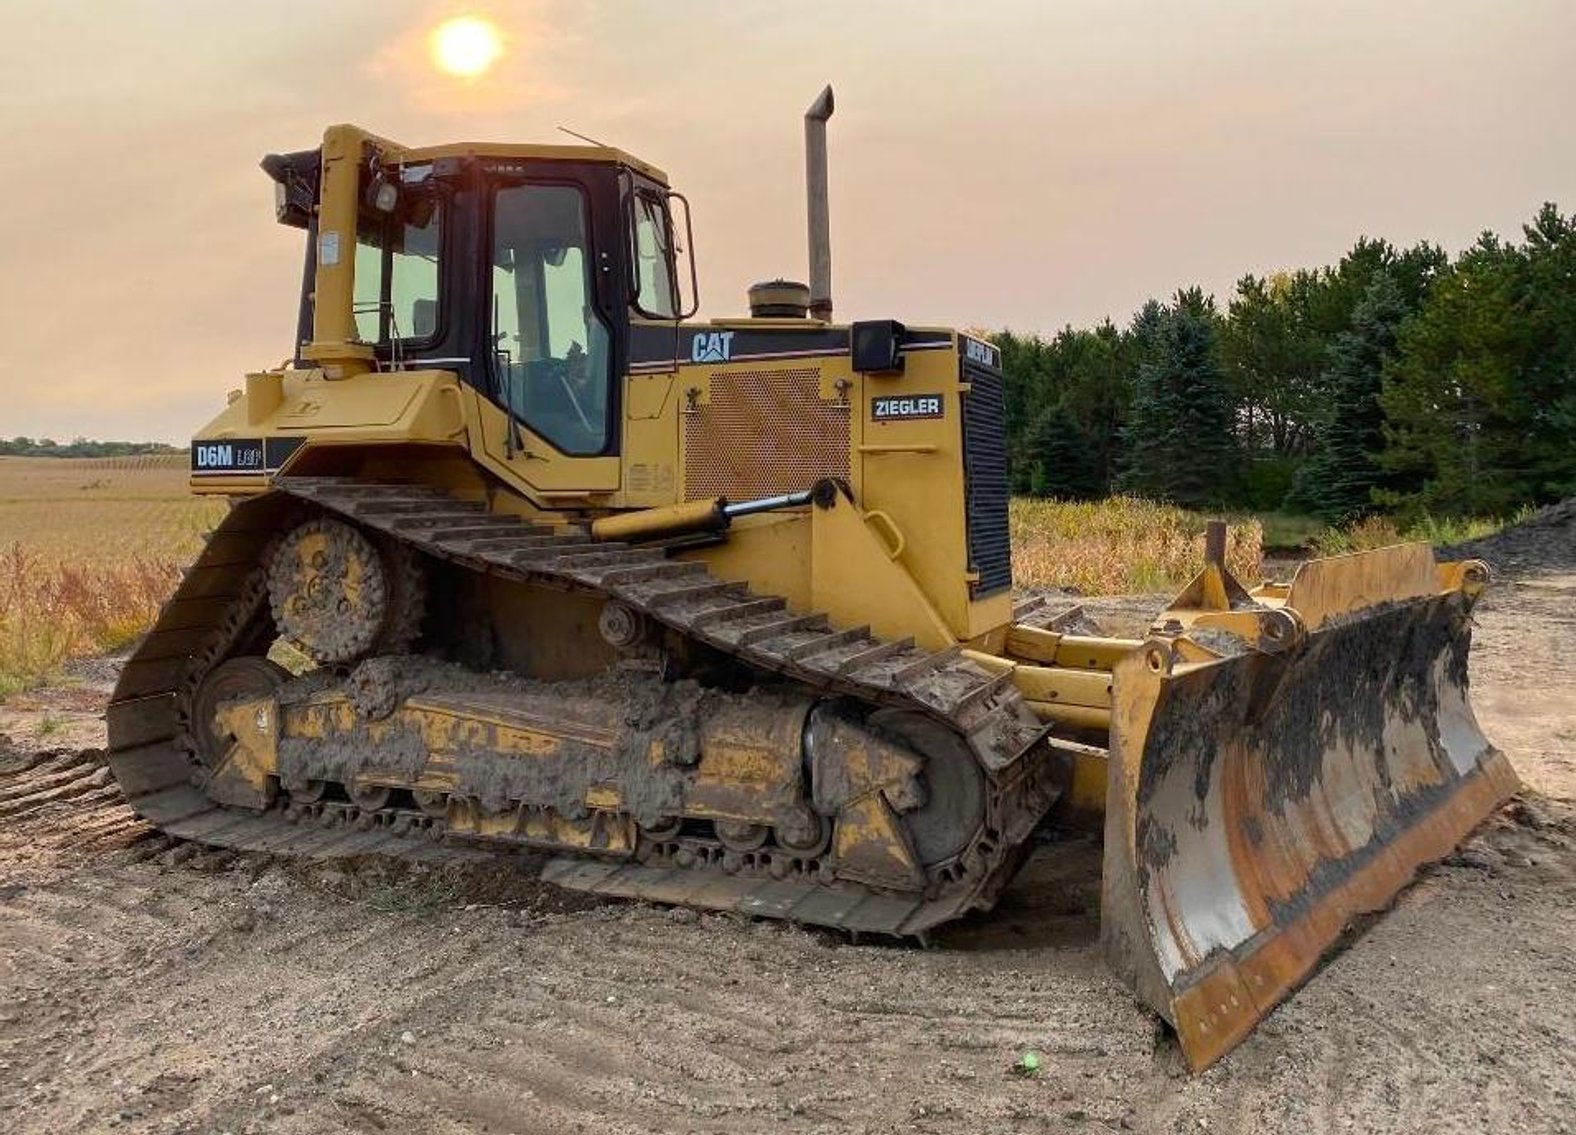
(89, 548)
(1120, 545)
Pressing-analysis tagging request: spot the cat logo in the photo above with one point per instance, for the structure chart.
(712, 347)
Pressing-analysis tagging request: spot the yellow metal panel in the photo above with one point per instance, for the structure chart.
(751, 766)
(334, 338)
(651, 442)
(1084, 799)
(770, 551)
(1081, 651)
(241, 776)
(408, 406)
(1337, 585)
(421, 407)
(366, 400)
(536, 469)
(264, 393)
(854, 579)
(912, 470)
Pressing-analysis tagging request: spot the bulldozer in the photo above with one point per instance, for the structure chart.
(521, 556)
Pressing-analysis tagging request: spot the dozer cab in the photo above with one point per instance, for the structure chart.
(522, 556)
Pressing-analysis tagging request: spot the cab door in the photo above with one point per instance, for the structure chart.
(548, 412)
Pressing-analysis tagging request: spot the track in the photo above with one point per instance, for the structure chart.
(220, 611)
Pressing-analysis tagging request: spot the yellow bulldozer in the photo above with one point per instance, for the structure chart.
(720, 613)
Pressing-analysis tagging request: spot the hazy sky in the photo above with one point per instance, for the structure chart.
(994, 162)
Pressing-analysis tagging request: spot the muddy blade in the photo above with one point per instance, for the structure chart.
(1259, 803)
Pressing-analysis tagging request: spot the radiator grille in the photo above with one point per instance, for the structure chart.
(764, 432)
(985, 478)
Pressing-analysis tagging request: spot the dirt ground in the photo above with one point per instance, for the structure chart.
(153, 987)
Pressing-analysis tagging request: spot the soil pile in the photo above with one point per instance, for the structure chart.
(1545, 541)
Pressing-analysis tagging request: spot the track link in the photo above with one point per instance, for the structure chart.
(223, 596)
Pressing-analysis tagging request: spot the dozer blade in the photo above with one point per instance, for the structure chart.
(1258, 803)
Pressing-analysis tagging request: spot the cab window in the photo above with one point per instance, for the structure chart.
(396, 279)
(551, 349)
(654, 260)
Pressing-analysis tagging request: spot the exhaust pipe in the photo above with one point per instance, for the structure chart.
(816, 198)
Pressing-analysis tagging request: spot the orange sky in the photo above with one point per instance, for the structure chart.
(1007, 163)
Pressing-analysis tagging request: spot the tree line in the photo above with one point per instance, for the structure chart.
(1397, 380)
(80, 447)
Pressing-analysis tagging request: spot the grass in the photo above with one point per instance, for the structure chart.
(89, 549)
(1121, 545)
(422, 898)
(51, 611)
(1290, 530)
(1379, 531)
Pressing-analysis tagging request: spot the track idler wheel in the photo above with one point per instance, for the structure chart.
(339, 596)
(245, 677)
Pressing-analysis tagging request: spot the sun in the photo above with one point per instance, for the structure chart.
(466, 46)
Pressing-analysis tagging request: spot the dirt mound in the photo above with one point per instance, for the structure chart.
(1545, 541)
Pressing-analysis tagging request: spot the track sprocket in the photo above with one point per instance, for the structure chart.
(338, 596)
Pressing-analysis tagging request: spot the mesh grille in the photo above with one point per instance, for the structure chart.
(764, 432)
(985, 478)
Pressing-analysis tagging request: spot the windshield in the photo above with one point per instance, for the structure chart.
(654, 260)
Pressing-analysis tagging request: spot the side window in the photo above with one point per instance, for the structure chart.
(654, 257)
(552, 352)
(396, 293)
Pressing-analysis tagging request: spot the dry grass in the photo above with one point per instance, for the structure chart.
(1382, 531)
(1120, 545)
(89, 549)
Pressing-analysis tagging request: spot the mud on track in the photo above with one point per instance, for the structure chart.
(157, 987)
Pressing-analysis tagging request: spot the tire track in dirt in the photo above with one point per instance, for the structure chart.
(148, 985)
(71, 795)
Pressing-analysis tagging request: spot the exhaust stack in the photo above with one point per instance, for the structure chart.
(816, 199)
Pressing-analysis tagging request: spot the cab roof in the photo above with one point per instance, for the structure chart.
(523, 151)
(538, 152)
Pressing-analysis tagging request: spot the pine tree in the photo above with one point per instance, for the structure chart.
(1481, 396)
(1179, 434)
(1060, 458)
(1340, 480)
